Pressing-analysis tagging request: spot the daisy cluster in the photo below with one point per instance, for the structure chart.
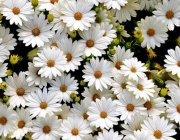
(89, 69)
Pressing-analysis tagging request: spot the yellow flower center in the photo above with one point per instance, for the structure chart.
(50, 63)
(98, 19)
(151, 32)
(95, 96)
(148, 105)
(35, 31)
(178, 108)
(133, 69)
(20, 91)
(63, 88)
(140, 87)
(89, 43)
(85, 116)
(21, 124)
(103, 114)
(97, 74)
(53, 45)
(46, 129)
(16, 10)
(68, 57)
(169, 14)
(123, 85)
(78, 16)
(178, 63)
(75, 131)
(157, 134)
(43, 105)
(3, 120)
(118, 65)
(130, 107)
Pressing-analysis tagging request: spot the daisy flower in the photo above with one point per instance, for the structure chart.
(173, 107)
(98, 72)
(33, 78)
(143, 88)
(118, 58)
(46, 128)
(74, 128)
(102, 16)
(64, 86)
(156, 105)
(159, 128)
(173, 61)
(63, 113)
(133, 69)
(6, 39)
(119, 84)
(107, 135)
(3, 69)
(51, 62)
(40, 103)
(77, 15)
(73, 53)
(103, 114)
(154, 32)
(23, 123)
(80, 109)
(7, 120)
(110, 33)
(35, 31)
(16, 11)
(133, 125)
(92, 93)
(128, 106)
(140, 135)
(168, 12)
(18, 89)
(93, 41)
(147, 4)
(127, 11)
(114, 4)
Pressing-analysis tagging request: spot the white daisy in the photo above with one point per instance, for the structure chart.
(80, 109)
(16, 11)
(92, 93)
(77, 15)
(93, 41)
(51, 62)
(173, 107)
(107, 135)
(33, 78)
(73, 52)
(40, 103)
(23, 124)
(147, 4)
(3, 69)
(46, 128)
(63, 113)
(118, 58)
(127, 11)
(98, 72)
(133, 69)
(143, 88)
(154, 32)
(133, 125)
(35, 31)
(102, 16)
(168, 12)
(140, 135)
(119, 84)
(115, 4)
(128, 106)
(110, 33)
(63, 86)
(74, 128)
(17, 89)
(173, 61)
(7, 120)
(103, 114)
(6, 39)
(159, 128)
